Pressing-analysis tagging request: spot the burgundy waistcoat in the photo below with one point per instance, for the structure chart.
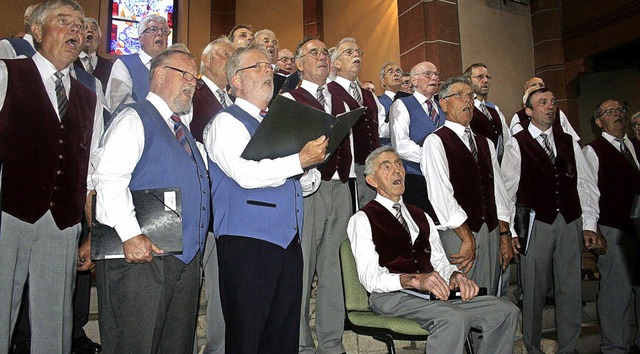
(205, 106)
(102, 71)
(393, 242)
(365, 132)
(548, 188)
(340, 160)
(45, 160)
(481, 125)
(618, 182)
(472, 181)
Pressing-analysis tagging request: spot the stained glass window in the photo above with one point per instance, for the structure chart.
(125, 16)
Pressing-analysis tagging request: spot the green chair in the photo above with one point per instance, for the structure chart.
(362, 321)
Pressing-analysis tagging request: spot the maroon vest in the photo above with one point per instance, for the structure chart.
(45, 160)
(393, 242)
(618, 182)
(472, 181)
(205, 106)
(102, 71)
(481, 125)
(548, 188)
(365, 132)
(340, 160)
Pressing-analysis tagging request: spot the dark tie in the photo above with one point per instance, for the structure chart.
(485, 111)
(181, 135)
(472, 144)
(223, 101)
(433, 112)
(320, 95)
(90, 67)
(400, 218)
(353, 87)
(626, 153)
(547, 147)
(61, 95)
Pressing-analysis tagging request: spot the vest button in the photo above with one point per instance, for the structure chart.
(202, 226)
(415, 261)
(58, 172)
(297, 210)
(61, 141)
(56, 188)
(52, 204)
(62, 126)
(203, 208)
(60, 157)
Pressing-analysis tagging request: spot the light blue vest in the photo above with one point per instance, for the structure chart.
(270, 214)
(420, 125)
(22, 47)
(139, 76)
(165, 163)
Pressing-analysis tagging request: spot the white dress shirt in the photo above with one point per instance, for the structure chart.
(399, 120)
(225, 139)
(592, 158)
(122, 148)
(515, 126)
(214, 88)
(378, 279)
(439, 187)
(383, 128)
(120, 84)
(390, 94)
(8, 52)
(47, 70)
(587, 187)
(92, 57)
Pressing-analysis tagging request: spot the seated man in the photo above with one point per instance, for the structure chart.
(397, 246)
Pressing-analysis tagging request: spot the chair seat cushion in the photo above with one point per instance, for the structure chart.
(396, 324)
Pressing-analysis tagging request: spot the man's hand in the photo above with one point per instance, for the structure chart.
(84, 255)
(432, 282)
(467, 252)
(592, 240)
(602, 249)
(515, 243)
(506, 251)
(468, 288)
(313, 152)
(138, 249)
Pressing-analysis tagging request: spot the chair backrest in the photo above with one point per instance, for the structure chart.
(355, 295)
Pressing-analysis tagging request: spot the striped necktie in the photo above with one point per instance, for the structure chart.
(547, 147)
(221, 98)
(399, 217)
(485, 111)
(472, 144)
(433, 112)
(320, 95)
(626, 153)
(90, 67)
(61, 95)
(179, 129)
(353, 87)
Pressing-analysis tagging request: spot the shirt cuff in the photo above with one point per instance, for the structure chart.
(128, 229)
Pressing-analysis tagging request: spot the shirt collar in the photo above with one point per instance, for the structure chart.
(144, 57)
(249, 107)
(27, 37)
(311, 87)
(212, 85)
(388, 203)
(46, 68)
(160, 105)
(420, 97)
(456, 127)
(343, 82)
(612, 139)
(535, 131)
(390, 94)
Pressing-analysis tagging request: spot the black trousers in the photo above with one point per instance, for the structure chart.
(415, 193)
(261, 294)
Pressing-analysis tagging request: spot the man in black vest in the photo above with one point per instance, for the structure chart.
(613, 158)
(544, 170)
(45, 175)
(396, 247)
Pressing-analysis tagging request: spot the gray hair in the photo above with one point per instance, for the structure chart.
(164, 57)
(233, 64)
(264, 31)
(144, 24)
(384, 66)
(206, 52)
(27, 13)
(41, 11)
(597, 112)
(301, 44)
(335, 53)
(179, 46)
(369, 168)
(88, 20)
(635, 115)
(445, 87)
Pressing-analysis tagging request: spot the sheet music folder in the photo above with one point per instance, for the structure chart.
(289, 125)
(523, 225)
(427, 295)
(159, 213)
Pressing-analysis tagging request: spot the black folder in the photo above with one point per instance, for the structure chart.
(159, 213)
(428, 295)
(289, 125)
(523, 225)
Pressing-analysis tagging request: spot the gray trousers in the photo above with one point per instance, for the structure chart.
(48, 257)
(554, 249)
(450, 321)
(215, 318)
(326, 215)
(616, 290)
(486, 267)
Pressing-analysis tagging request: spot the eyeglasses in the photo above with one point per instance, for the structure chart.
(315, 53)
(461, 95)
(393, 72)
(286, 59)
(611, 111)
(350, 52)
(68, 21)
(482, 77)
(185, 75)
(261, 65)
(429, 74)
(635, 125)
(154, 31)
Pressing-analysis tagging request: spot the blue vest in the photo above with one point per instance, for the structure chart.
(88, 80)
(139, 76)
(22, 47)
(271, 214)
(386, 102)
(420, 125)
(164, 163)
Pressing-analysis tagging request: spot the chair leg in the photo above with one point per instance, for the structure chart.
(388, 339)
(468, 344)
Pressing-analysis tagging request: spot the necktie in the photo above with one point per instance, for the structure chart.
(472, 144)
(320, 95)
(221, 98)
(353, 87)
(400, 218)
(90, 67)
(433, 112)
(626, 153)
(61, 95)
(179, 129)
(485, 111)
(547, 147)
